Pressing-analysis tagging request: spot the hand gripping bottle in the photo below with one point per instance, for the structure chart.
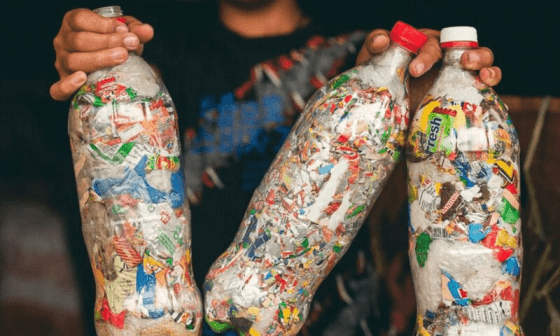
(135, 219)
(465, 233)
(315, 196)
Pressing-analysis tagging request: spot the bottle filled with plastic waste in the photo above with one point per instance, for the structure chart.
(464, 185)
(135, 218)
(315, 196)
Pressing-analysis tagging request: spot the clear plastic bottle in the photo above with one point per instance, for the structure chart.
(315, 196)
(465, 230)
(135, 218)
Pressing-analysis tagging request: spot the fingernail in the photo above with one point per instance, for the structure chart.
(378, 38)
(118, 55)
(418, 68)
(472, 57)
(490, 72)
(121, 29)
(131, 41)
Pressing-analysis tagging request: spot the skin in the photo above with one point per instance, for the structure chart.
(88, 42)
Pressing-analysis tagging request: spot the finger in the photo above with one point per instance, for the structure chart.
(144, 31)
(94, 60)
(139, 49)
(376, 42)
(86, 20)
(428, 55)
(477, 59)
(87, 41)
(66, 87)
(491, 76)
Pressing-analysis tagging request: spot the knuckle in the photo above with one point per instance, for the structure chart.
(68, 15)
(71, 41)
(489, 55)
(106, 25)
(98, 59)
(430, 32)
(433, 43)
(102, 59)
(115, 40)
(79, 15)
(58, 66)
(73, 16)
(71, 62)
(57, 42)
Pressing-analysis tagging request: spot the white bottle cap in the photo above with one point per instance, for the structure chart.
(450, 35)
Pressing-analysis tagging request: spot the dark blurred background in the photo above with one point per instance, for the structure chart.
(42, 275)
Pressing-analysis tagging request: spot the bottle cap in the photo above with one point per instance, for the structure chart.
(109, 11)
(408, 37)
(462, 36)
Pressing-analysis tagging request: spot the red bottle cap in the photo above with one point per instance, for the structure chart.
(408, 36)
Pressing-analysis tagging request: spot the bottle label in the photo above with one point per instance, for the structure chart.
(438, 124)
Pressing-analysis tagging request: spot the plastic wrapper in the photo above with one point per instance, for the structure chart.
(313, 200)
(135, 218)
(465, 230)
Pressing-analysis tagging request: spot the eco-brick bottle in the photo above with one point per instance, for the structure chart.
(465, 230)
(315, 196)
(135, 218)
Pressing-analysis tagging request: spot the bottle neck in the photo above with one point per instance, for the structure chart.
(395, 57)
(109, 11)
(113, 12)
(452, 56)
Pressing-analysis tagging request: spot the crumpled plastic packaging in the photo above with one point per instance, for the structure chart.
(135, 217)
(465, 229)
(312, 201)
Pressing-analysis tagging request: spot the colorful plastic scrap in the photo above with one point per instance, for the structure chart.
(463, 165)
(314, 198)
(125, 146)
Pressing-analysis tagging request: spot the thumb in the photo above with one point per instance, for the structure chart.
(376, 42)
(67, 86)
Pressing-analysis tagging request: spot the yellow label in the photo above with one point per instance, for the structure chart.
(150, 265)
(460, 119)
(423, 122)
(286, 312)
(253, 311)
(438, 188)
(506, 167)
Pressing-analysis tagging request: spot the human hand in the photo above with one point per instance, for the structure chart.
(478, 59)
(88, 42)
(422, 66)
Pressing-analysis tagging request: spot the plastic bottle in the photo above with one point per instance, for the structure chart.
(135, 219)
(315, 196)
(465, 232)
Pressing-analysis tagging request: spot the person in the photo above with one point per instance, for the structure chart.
(237, 95)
